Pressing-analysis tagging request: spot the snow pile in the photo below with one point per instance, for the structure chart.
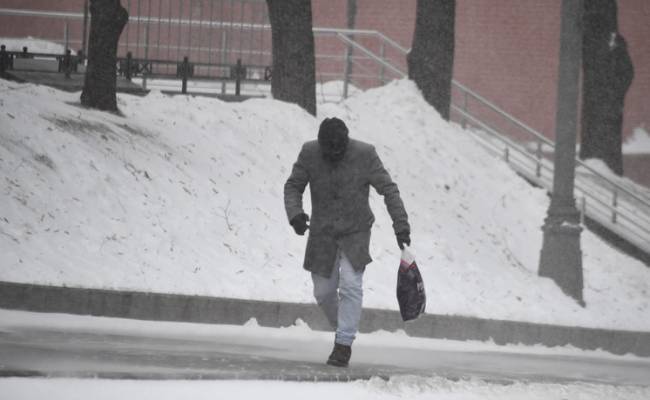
(299, 334)
(184, 195)
(399, 387)
(34, 45)
(639, 143)
(594, 169)
(491, 378)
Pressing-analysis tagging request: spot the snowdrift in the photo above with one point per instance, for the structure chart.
(184, 195)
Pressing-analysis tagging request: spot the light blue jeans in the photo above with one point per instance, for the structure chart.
(340, 297)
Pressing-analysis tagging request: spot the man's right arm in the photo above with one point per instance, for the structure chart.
(295, 186)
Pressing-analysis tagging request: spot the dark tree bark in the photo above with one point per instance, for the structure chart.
(607, 75)
(431, 59)
(351, 22)
(294, 65)
(108, 18)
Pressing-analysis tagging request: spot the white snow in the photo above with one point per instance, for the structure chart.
(400, 386)
(638, 143)
(184, 195)
(252, 332)
(410, 387)
(34, 45)
(594, 168)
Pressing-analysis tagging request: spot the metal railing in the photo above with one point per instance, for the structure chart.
(601, 199)
(171, 33)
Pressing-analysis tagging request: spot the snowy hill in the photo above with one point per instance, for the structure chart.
(184, 195)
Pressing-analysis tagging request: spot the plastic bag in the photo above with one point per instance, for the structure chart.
(410, 288)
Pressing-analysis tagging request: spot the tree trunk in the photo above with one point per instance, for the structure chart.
(607, 75)
(351, 20)
(108, 18)
(294, 66)
(431, 59)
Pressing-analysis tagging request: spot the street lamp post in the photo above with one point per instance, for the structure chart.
(561, 257)
(84, 34)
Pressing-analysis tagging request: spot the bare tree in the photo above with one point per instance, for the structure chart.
(351, 22)
(294, 64)
(431, 59)
(108, 18)
(607, 75)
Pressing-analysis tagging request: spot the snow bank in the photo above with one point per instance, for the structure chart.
(399, 387)
(34, 45)
(638, 143)
(184, 195)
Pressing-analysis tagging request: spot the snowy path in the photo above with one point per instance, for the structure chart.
(56, 345)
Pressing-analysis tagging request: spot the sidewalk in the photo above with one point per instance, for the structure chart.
(183, 308)
(72, 346)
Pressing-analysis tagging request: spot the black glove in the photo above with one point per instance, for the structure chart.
(403, 238)
(299, 223)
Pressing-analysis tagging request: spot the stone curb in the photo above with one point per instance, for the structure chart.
(203, 309)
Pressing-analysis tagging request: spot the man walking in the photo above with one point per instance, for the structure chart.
(339, 172)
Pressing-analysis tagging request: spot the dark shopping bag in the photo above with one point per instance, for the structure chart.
(410, 288)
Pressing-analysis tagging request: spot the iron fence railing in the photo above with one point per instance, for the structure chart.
(223, 31)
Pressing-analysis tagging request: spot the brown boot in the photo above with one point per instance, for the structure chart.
(340, 356)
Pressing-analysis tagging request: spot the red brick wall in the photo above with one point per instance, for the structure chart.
(507, 52)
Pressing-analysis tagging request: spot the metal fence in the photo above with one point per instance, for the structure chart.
(621, 208)
(205, 31)
(213, 33)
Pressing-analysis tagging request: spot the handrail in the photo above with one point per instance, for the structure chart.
(393, 43)
(541, 137)
(341, 33)
(633, 227)
(371, 54)
(368, 32)
(538, 135)
(503, 113)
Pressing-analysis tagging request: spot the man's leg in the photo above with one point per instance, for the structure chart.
(325, 292)
(349, 313)
(350, 301)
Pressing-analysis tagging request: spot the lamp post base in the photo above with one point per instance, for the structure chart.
(561, 257)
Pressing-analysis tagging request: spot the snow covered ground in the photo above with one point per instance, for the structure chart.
(34, 45)
(414, 388)
(435, 387)
(252, 332)
(325, 92)
(639, 143)
(184, 195)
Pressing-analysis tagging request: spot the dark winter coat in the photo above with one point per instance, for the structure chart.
(341, 215)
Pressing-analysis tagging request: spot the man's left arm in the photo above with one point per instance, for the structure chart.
(380, 179)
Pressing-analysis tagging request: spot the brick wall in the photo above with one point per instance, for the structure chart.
(507, 52)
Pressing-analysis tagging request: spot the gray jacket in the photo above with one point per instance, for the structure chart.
(341, 215)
